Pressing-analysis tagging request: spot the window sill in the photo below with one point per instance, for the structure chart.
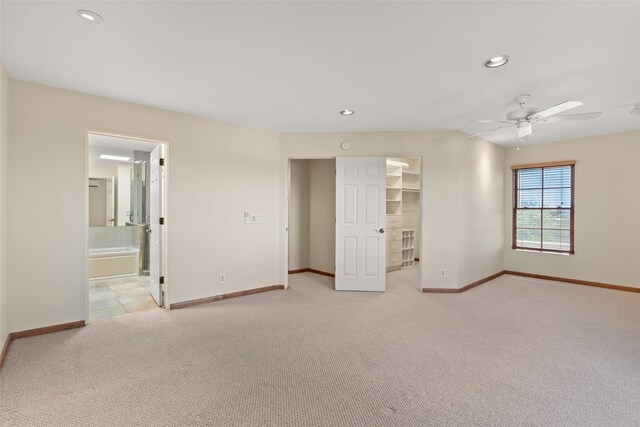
(536, 251)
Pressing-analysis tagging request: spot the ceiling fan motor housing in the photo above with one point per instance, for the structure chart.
(522, 113)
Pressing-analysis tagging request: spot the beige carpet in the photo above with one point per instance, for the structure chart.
(513, 352)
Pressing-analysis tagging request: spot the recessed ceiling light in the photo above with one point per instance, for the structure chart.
(347, 112)
(110, 157)
(496, 61)
(90, 16)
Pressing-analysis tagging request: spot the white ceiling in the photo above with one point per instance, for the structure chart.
(292, 66)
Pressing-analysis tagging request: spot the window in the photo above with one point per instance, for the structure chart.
(543, 206)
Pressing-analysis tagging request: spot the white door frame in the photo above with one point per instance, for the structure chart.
(287, 206)
(165, 245)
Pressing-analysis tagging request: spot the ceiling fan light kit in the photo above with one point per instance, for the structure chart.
(524, 130)
(635, 111)
(524, 116)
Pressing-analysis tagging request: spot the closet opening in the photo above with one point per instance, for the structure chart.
(403, 218)
(313, 215)
(126, 217)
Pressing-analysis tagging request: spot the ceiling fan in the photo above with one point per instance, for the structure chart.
(524, 116)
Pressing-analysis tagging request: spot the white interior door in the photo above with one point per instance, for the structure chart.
(156, 211)
(360, 223)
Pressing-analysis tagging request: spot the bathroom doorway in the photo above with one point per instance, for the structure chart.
(125, 257)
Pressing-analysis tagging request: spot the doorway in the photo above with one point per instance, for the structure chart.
(313, 213)
(404, 220)
(125, 237)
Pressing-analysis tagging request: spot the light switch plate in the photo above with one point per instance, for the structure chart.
(257, 219)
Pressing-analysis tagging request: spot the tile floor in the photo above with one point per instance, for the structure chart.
(114, 297)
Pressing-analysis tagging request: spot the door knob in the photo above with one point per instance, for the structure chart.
(381, 231)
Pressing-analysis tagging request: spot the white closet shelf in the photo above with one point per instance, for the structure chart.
(410, 190)
(394, 174)
(408, 235)
(411, 173)
(391, 200)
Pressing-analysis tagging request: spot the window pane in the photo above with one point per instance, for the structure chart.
(544, 205)
(557, 198)
(528, 218)
(556, 218)
(530, 178)
(557, 240)
(557, 176)
(529, 199)
(527, 238)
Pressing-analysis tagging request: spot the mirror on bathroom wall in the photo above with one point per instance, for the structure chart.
(118, 195)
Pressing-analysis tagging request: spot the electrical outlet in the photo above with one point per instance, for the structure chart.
(247, 218)
(223, 278)
(443, 272)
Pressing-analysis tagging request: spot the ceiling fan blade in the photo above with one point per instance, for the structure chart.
(524, 130)
(487, 131)
(570, 117)
(555, 110)
(493, 121)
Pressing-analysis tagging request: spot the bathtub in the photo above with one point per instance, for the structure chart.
(113, 262)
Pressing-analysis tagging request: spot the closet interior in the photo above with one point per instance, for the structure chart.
(403, 212)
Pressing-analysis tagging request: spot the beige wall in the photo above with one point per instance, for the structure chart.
(481, 185)
(215, 172)
(299, 215)
(4, 131)
(322, 210)
(444, 154)
(607, 209)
